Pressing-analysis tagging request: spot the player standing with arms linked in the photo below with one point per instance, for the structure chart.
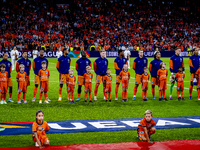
(138, 65)
(8, 69)
(119, 62)
(63, 66)
(100, 67)
(194, 63)
(176, 61)
(37, 65)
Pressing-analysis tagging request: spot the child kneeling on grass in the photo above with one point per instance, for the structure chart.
(39, 130)
(146, 127)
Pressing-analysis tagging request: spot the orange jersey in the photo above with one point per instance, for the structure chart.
(71, 80)
(88, 77)
(45, 128)
(44, 75)
(108, 79)
(4, 77)
(125, 75)
(180, 77)
(21, 76)
(162, 74)
(145, 78)
(143, 123)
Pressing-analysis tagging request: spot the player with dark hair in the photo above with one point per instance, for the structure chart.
(81, 65)
(119, 62)
(63, 66)
(154, 66)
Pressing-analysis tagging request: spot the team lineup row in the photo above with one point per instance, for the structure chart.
(83, 66)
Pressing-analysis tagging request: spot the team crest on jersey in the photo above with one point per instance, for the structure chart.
(90, 76)
(122, 84)
(144, 61)
(182, 75)
(135, 81)
(165, 71)
(97, 80)
(68, 88)
(150, 125)
(141, 132)
(177, 88)
(126, 73)
(0, 90)
(4, 74)
(46, 72)
(42, 89)
(23, 75)
(110, 78)
(73, 78)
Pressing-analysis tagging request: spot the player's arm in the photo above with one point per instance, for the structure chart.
(17, 77)
(57, 64)
(158, 74)
(147, 63)
(17, 66)
(76, 66)
(95, 66)
(150, 67)
(39, 74)
(176, 77)
(30, 67)
(116, 66)
(167, 73)
(33, 65)
(48, 73)
(10, 68)
(134, 64)
(171, 66)
(37, 140)
(183, 65)
(120, 75)
(47, 63)
(129, 75)
(146, 134)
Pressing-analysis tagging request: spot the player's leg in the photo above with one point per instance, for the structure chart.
(104, 90)
(118, 81)
(152, 131)
(19, 96)
(95, 91)
(135, 91)
(46, 143)
(126, 89)
(198, 93)
(171, 90)
(141, 136)
(60, 92)
(10, 89)
(123, 92)
(191, 86)
(79, 93)
(86, 91)
(106, 93)
(37, 82)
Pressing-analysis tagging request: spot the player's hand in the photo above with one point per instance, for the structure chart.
(39, 128)
(41, 147)
(149, 141)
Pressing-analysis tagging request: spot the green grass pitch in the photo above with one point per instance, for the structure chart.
(56, 111)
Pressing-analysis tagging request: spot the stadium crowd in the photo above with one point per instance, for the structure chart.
(89, 25)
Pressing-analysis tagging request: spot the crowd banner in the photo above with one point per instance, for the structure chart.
(135, 53)
(77, 54)
(47, 54)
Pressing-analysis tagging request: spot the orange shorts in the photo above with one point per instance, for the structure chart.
(140, 133)
(10, 82)
(162, 84)
(180, 86)
(118, 80)
(125, 84)
(145, 86)
(70, 88)
(4, 88)
(37, 80)
(108, 88)
(88, 87)
(63, 78)
(138, 78)
(192, 76)
(99, 79)
(154, 81)
(22, 86)
(80, 80)
(44, 86)
(27, 81)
